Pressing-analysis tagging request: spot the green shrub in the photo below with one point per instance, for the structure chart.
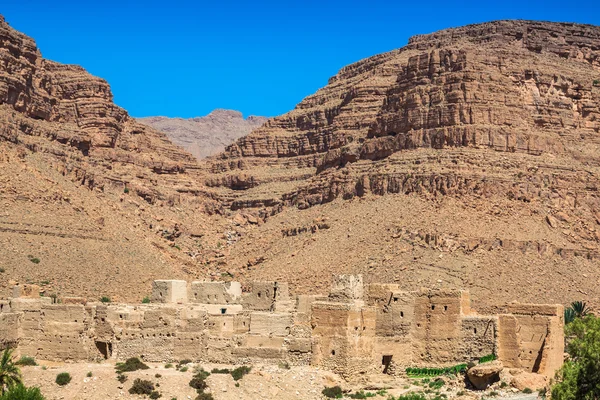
(155, 395)
(132, 364)
(26, 361)
(205, 396)
(89, 374)
(488, 358)
(527, 391)
(361, 395)
(122, 378)
(141, 387)
(169, 365)
(20, 392)
(35, 260)
(198, 381)
(220, 371)
(334, 392)
(239, 372)
(126, 190)
(158, 376)
(2, 270)
(494, 394)
(284, 365)
(460, 393)
(437, 384)
(185, 361)
(105, 299)
(409, 396)
(596, 82)
(63, 378)
(146, 300)
(183, 369)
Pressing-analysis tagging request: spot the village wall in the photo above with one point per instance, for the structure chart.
(354, 330)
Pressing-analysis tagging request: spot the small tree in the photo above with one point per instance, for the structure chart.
(579, 377)
(9, 372)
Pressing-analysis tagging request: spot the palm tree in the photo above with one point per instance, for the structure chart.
(9, 372)
(580, 308)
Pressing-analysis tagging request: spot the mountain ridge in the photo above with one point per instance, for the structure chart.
(467, 159)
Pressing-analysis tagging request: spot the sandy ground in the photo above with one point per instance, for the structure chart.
(263, 382)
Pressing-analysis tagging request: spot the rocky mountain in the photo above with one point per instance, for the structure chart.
(468, 158)
(208, 135)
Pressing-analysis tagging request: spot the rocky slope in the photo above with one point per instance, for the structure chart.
(468, 158)
(485, 141)
(90, 197)
(208, 135)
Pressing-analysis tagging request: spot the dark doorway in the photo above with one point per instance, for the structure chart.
(386, 361)
(105, 349)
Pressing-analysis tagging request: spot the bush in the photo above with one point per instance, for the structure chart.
(409, 396)
(185, 361)
(155, 395)
(169, 365)
(20, 392)
(122, 378)
(220, 371)
(437, 384)
(239, 372)
(205, 396)
(334, 392)
(132, 364)
(63, 378)
(527, 391)
(141, 387)
(488, 358)
(361, 395)
(596, 82)
(198, 382)
(158, 376)
(105, 299)
(284, 365)
(183, 369)
(89, 374)
(126, 190)
(146, 300)
(34, 260)
(26, 361)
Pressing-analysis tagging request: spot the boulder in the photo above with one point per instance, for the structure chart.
(529, 380)
(483, 375)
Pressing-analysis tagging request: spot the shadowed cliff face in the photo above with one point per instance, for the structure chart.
(208, 135)
(467, 159)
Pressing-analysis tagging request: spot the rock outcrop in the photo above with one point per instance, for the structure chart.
(208, 135)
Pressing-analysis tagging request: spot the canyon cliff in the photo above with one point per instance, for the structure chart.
(466, 159)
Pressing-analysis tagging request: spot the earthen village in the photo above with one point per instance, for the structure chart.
(426, 226)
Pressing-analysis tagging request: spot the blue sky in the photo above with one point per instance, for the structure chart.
(186, 58)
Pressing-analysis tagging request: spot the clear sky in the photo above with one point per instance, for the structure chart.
(185, 58)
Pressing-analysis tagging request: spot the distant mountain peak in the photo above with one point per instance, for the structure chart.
(207, 135)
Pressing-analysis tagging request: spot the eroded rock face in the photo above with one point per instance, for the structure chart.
(507, 86)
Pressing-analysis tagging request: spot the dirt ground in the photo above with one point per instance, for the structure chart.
(263, 382)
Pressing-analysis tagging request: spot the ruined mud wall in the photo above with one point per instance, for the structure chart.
(352, 331)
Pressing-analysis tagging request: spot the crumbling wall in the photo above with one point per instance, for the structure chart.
(354, 330)
(215, 292)
(531, 337)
